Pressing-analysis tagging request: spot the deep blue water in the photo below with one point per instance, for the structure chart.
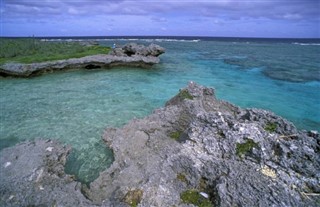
(282, 75)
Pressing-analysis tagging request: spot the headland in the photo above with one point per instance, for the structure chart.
(197, 150)
(131, 54)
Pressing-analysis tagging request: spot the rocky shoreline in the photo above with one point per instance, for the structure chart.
(195, 151)
(131, 54)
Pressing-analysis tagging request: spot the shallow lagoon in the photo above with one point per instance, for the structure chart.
(76, 106)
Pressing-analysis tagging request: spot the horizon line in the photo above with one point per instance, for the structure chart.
(158, 36)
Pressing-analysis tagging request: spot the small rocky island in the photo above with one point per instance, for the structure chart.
(195, 151)
(130, 54)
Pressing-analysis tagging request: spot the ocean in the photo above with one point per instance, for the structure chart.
(75, 107)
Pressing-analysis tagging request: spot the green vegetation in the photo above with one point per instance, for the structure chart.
(134, 197)
(182, 177)
(184, 94)
(31, 50)
(175, 135)
(270, 127)
(194, 197)
(244, 148)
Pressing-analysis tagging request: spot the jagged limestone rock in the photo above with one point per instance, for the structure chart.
(226, 153)
(224, 156)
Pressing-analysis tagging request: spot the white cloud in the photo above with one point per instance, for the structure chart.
(292, 16)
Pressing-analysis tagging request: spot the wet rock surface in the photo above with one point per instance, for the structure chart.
(129, 55)
(196, 151)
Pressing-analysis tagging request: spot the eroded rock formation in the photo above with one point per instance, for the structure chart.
(202, 151)
(129, 55)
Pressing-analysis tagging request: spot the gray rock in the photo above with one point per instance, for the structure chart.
(144, 56)
(195, 145)
(32, 174)
(239, 157)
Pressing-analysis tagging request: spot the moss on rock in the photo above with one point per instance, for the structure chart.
(270, 127)
(194, 197)
(182, 177)
(244, 148)
(175, 135)
(184, 94)
(133, 197)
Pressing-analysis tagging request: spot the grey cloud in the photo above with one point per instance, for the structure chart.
(226, 9)
(290, 10)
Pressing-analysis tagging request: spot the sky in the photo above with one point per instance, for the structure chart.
(216, 18)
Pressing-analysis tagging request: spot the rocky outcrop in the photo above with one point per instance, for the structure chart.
(196, 151)
(203, 151)
(32, 174)
(135, 49)
(129, 55)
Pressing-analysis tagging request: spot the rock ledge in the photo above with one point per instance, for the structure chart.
(129, 55)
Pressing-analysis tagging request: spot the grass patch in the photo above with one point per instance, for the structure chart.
(270, 127)
(194, 197)
(244, 148)
(31, 50)
(184, 94)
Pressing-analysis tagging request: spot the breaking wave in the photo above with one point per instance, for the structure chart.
(298, 43)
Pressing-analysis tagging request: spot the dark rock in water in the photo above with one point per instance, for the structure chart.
(197, 150)
(132, 55)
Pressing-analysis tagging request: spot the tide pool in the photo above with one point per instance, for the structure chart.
(76, 107)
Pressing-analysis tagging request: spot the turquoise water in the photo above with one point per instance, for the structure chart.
(76, 106)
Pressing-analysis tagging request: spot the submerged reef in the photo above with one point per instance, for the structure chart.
(130, 54)
(195, 151)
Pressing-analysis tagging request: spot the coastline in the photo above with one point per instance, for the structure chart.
(196, 145)
(129, 55)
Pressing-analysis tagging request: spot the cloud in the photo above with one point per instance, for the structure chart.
(232, 9)
(159, 13)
